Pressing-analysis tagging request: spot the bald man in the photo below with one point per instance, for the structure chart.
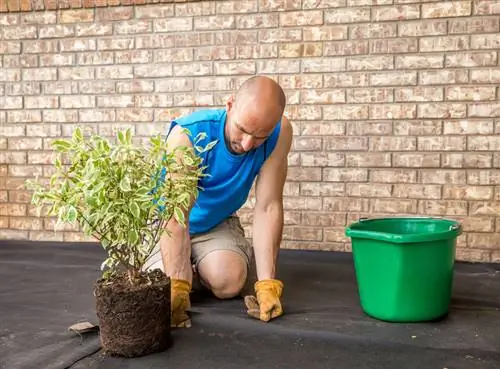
(253, 141)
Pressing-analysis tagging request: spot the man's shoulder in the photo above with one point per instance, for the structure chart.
(200, 116)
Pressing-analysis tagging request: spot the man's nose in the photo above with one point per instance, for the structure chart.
(247, 142)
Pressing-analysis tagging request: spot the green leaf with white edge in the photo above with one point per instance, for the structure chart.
(121, 137)
(125, 184)
(128, 136)
(133, 236)
(179, 216)
(77, 135)
(134, 208)
(61, 145)
(72, 214)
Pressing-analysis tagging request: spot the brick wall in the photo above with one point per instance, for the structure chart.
(395, 103)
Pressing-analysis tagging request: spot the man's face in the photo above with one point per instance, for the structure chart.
(246, 131)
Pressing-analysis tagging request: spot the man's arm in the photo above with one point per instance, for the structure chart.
(268, 216)
(176, 247)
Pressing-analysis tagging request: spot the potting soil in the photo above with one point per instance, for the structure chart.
(47, 287)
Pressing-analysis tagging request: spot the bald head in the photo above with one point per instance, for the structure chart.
(254, 112)
(263, 90)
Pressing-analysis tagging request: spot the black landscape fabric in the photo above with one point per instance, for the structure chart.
(46, 287)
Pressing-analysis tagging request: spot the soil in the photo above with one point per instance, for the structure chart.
(134, 320)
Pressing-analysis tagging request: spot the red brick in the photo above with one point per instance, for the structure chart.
(441, 110)
(467, 192)
(133, 26)
(155, 11)
(468, 127)
(313, 96)
(307, 143)
(304, 174)
(277, 5)
(466, 160)
(343, 204)
(347, 15)
(277, 66)
(417, 191)
(94, 29)
(301, 18)
(443, 143)
(369, 189)
(401, 12)
(391, 143)
(488, 208)
(370, 62)
(419, 61)
(232, 6)
(444, 43)
(443, 176)
(346, 143)
(484, 109)
(393, 78)
(484, 7)
(434, 77)
(337, 48)
(443, 207)
(263, 20)
(398, 206)
(490, 75)
(418, 94)
(280, 35)
(471, 59)
(303, 81)
(345, 175)
(322, 129)
(374, 95)
(393, 111)
(483, 177)
(373, 30)
(321, 189)
(324, 33)
(483, 241)
(447, 9)
(474, 25)
(369, 160)
(422, 28)
(302, 203)
(345, 112)
(413, 160)
(79, 15)
(489, 41)
(319, 4)
(391, 46)
(300, 50)
(349, 79)
(44, 130)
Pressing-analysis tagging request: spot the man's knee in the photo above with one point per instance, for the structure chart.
(224, 273)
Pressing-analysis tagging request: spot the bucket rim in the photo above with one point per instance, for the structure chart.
(455, 229)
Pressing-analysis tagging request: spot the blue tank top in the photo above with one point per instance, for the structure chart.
(229, 176)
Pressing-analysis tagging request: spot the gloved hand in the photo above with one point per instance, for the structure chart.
(180, 303)
(266, 305)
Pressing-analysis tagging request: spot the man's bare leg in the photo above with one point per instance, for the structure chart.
(224, 272)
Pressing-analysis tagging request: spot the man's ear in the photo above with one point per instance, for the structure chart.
(229, 103)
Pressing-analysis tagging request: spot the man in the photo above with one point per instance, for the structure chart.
(253, 141)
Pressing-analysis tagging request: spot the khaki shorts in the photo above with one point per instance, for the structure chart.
(229, 235)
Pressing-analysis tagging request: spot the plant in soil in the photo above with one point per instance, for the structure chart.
(123, 194)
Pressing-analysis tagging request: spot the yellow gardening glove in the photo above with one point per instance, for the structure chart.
(266, 305)
(180, 303)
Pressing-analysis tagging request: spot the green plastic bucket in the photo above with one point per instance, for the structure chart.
(404, 266)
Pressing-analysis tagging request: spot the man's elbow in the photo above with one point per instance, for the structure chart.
(270, 207)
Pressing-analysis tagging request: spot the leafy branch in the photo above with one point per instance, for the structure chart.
(120, 193)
